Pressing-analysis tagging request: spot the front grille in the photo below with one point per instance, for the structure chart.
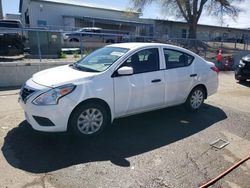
(25, 93)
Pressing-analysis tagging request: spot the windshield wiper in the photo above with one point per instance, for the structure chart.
(81, 68)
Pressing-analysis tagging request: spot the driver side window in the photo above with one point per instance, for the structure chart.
(144, 61)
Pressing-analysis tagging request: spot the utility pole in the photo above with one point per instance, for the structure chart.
(1, 10)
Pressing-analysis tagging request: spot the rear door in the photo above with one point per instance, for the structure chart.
(179, 75)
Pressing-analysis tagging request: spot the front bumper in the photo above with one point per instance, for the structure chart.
(242, 73)
(58, 114)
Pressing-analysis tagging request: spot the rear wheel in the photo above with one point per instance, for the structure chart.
(195, 99)
(89, 119)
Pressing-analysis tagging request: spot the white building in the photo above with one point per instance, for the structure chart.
(68, 14)
(12, 16)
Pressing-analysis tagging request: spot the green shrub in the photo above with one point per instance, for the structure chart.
(62, 55)
(76, 55)
(87, 51)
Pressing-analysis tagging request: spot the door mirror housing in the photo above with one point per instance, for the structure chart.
(123, 71)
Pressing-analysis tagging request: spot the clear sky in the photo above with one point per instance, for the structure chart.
(153, 11)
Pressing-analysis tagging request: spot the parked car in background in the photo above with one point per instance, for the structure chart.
(11, 39)
(242, 72)
(116, 81)
(96, 37)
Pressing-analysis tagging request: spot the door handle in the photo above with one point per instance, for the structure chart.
(193, 75)
(156, 80)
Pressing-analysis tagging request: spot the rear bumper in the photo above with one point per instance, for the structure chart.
(213, 87)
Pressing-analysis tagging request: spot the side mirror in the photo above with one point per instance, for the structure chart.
(125, 71)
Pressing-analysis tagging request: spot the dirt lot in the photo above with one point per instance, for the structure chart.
(164, 148)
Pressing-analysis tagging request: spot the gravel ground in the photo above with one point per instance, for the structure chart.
(165, 148)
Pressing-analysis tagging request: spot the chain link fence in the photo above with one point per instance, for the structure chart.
(42, 45)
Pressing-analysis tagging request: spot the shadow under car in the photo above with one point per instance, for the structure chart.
(37, 152)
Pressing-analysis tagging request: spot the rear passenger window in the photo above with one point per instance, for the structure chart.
(144, 61)
(175, 59)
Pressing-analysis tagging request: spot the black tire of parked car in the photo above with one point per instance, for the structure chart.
(110, 41)
(73, 126)
(239, 78)
(13, 50)
(242, 80)
(188, 104)
(74, 40)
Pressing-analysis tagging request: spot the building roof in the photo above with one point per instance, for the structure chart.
(77, 3)
(202, 25)
(111, 20)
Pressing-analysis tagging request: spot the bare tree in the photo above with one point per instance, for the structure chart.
(191, 10)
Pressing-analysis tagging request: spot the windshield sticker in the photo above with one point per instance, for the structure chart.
(119, 54)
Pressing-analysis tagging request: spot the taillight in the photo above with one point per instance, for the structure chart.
(215, 69)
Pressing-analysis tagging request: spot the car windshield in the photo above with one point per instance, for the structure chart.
(101, 59)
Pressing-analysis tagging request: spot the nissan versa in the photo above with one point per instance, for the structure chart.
(115, 81)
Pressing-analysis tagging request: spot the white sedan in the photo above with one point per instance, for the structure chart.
(116, 81)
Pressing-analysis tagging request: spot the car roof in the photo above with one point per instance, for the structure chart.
(90, 28)
(133, 45)
(136, 45)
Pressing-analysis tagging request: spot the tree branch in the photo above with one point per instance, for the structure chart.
(188, 7)
(182, 10)
(203, 2)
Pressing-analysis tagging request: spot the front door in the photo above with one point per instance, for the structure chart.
(145, 88)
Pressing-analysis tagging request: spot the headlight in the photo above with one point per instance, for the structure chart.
(65, 37)
(52, 96)
(242, 64)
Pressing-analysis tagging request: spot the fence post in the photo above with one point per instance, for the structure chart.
(222, 40)
(39, 49)
(205, 54)
(81, 45)
(247, 44)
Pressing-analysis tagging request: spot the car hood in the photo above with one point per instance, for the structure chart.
(60, 76)
(246, 58)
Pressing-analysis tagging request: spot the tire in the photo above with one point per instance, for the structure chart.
(74, 40)
(195, 99)
(81, 124)
(13, 50)
(110, 41)
(236, 77)
(242, 80)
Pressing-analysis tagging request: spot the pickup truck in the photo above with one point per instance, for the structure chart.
(11, 37)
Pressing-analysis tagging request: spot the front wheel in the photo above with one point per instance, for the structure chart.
(195, 99)
(242, 80)
(88, 120)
